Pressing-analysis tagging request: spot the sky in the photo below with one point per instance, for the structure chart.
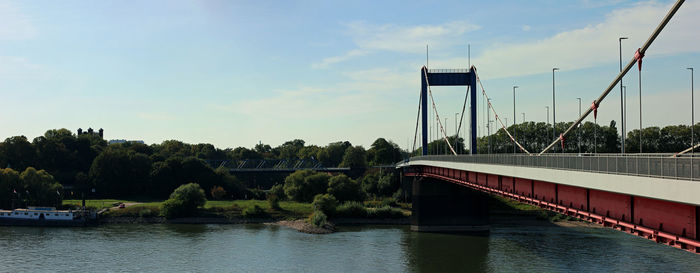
(236, 73)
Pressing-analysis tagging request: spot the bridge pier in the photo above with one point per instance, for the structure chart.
(440, 206)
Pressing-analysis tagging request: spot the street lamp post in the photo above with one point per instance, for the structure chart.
(456, 133)
(692, 109)
(624, 114)
(547, 107)
(488, 123)
(446, 135)
(622, 100)
(523, 118)
(692, 121)
(554, 111)
(515, 132)
(579, 126)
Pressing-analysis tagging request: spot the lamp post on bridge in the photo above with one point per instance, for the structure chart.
(692, 112)
(488, 123)
(622, 101)
(515, 132)
(554, 112)
(456, 133)
(692, 121)
(446, 135)
(547, 107)
(579, 126)
(523, 118)
(624, 116)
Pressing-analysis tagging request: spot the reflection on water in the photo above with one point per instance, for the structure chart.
(442, 252)
(262, 248)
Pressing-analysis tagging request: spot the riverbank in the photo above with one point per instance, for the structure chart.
(503, 212)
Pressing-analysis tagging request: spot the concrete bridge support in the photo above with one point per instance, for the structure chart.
(440, 206)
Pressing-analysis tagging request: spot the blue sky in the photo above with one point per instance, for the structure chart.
(233, 73)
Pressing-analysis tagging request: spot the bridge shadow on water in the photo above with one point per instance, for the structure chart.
(446, 252)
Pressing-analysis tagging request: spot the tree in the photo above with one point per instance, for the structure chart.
(383, 152)
(376, 184)
(17, 153)
(345, 189)
(217, 192)
(41, 187)
(230, 183)
(355, 158)
(290, 149)
(120, 173)
(9, 184)
(332, 155)
(303, 185)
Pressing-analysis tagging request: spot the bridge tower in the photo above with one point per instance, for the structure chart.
(448, 77)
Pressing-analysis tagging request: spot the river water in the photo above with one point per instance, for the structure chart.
(264, 248)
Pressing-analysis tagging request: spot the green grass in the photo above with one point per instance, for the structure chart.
(96, 203)
(107, 203)
(226, 208)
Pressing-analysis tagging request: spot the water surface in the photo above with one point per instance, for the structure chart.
(262, 248)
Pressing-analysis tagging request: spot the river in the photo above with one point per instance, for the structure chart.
(264, 248)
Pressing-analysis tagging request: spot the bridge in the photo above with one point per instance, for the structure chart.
(655, 196)
(273, 166)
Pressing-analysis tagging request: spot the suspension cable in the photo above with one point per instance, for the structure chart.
(415, 135)
(462, 116)
(622, 73)
(483, 92)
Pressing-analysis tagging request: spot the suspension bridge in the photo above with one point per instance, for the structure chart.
(654, 196)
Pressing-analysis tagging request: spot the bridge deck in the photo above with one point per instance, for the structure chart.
(665, 188)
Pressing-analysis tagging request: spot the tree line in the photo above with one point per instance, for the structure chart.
(593, 138)
(85, 162)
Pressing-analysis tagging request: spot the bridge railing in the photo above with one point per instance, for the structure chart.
(649, 165)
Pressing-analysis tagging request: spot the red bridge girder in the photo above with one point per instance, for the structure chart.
(671, 223)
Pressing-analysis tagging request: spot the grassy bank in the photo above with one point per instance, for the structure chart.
(232, 209)
(500, 204)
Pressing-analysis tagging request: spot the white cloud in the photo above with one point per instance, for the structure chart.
(526, 28)
(594, 44)
(332, 60)
(407, 39)
(14, 24)
(20, 68)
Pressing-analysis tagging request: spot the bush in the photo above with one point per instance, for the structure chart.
(135, 211)
(273, 201)
(174, 208)
(254, 211)
(325, 203)
(389, 202)
(184, 201)
(256, 194)
(217, 192)
(318, 218)
(351, 210)
(278, 190)
(192, 195)
(384, 212)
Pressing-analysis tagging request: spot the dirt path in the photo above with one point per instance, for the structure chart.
(126, 205)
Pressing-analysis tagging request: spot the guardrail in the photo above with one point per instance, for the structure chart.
(648, 165)
(458, 70)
